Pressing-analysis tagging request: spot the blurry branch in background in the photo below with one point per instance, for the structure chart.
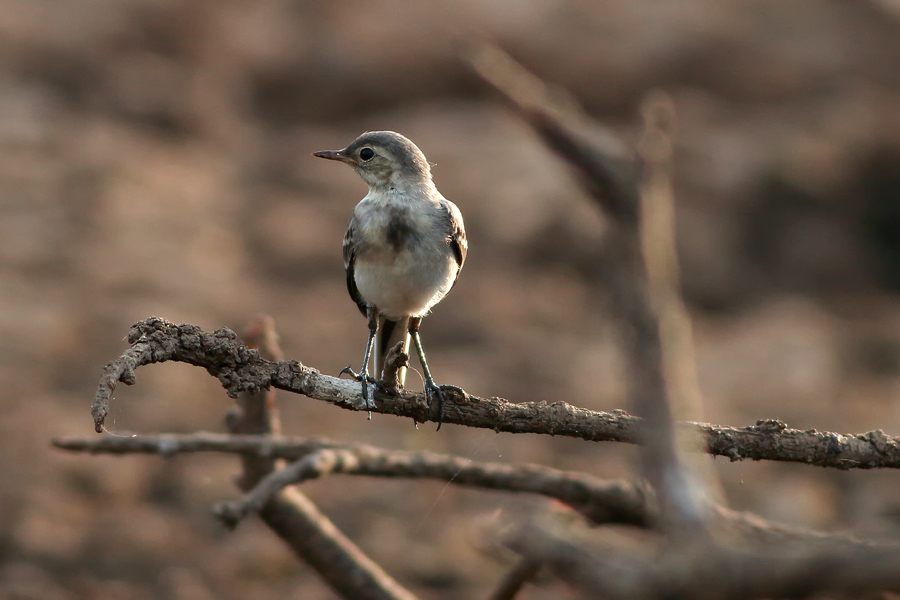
(603, 568)
(289, 513)
(745, 557)
(687, 562)
(614, 186)
(606, 169)
(240, 368)
(676, 340)
(663, 273)
(523, 572)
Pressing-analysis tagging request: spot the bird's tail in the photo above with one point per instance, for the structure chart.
(389, 333)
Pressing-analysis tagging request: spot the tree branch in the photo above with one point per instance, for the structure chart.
(523, 572)
(242, 369)
(256, 414)
(642, 279)
(616, 502)
(785, 570)
(612, 183)
(704, 567)
(290, 514)
(598, 500)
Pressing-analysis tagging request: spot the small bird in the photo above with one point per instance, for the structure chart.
(403, 250)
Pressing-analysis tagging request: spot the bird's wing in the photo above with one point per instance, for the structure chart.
(456, 234)
(349, 261)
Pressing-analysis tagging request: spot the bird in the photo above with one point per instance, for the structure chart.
(403, 251)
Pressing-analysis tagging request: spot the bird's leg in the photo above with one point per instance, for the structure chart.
(363, 375)
(432, 390)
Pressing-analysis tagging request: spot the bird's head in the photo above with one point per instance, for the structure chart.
(384, 159)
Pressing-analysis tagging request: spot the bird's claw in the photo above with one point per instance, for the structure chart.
(433, 390)
(365, 379)
(358, 376)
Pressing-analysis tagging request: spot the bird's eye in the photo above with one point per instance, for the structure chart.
(366, 154)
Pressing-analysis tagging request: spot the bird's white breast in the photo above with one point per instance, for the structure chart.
(409, 279)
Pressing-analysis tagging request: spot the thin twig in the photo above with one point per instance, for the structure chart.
(170, 444)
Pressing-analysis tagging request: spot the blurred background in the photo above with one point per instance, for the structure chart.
(156, 161)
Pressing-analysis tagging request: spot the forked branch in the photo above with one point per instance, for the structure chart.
(598, 500)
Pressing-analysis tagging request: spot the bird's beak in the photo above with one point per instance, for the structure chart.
(338, 155)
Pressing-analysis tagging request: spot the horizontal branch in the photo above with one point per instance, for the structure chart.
(602, 501)
(598, 500)
(241, 369)
(170, 444)
(601, 568)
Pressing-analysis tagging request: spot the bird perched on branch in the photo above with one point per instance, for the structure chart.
(403, 250)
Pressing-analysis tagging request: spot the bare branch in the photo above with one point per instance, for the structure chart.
(167, 445)
(690, 483)
(598, 500)
(256, 413)
(524, 571)
(700, 567)
(786, 570)
(602, 501)
(660, 255)
(291, 515)
(617, 502)
(315, 539)
(240, 368)
(612, 184)
(644, 292)
(607, 171)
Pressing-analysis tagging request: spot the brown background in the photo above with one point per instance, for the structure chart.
(155, 160)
